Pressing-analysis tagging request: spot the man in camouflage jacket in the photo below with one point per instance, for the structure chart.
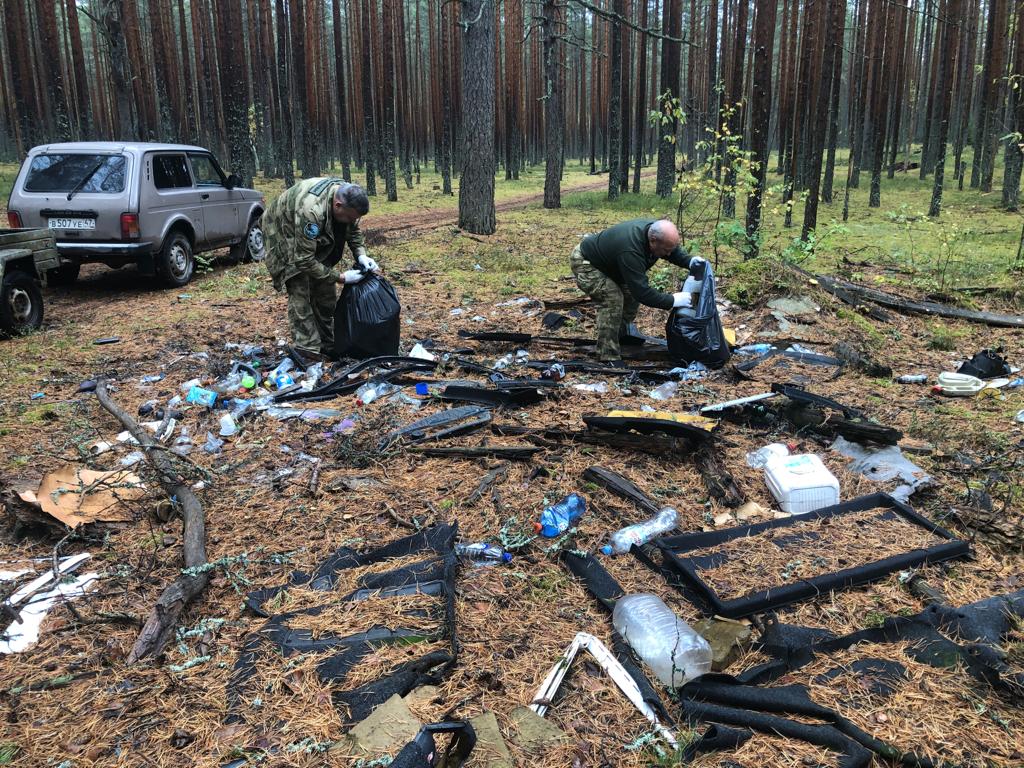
(306, 229)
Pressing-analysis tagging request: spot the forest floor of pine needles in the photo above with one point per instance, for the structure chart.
(513, 621)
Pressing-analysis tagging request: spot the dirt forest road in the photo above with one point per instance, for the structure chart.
(402, 226)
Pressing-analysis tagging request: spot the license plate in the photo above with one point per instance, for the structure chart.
(72, 224)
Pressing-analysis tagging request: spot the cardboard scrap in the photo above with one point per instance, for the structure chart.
(77, 496)
(533, 732)
(490, 750)
(388, 728)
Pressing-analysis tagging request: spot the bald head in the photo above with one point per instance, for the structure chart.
(663, 237)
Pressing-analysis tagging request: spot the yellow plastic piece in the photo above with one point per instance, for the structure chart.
(693, 419)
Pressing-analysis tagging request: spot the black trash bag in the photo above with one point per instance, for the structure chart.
(987, 364)
(366, 320)
(695, 334)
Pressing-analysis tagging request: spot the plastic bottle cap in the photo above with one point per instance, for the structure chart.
(537, 527)
(607, 549)
(506, 557)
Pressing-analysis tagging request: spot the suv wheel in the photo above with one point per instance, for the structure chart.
(21, 303)
(252, 248)
(176, 263)
(65, 274)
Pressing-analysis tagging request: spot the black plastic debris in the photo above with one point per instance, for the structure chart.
(506, 452)
(675, 549)
(422, 752)
(791, 354)
(852, 424)
(455, 421)
(503, 396)
(276, 640)
(387, 368)
(648, 425)
(621, 487)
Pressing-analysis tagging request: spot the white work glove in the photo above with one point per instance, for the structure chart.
(681, 299)
(367, 263)
(697, 261)
(350, 276)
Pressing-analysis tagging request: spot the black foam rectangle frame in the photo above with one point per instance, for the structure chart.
(673, 549)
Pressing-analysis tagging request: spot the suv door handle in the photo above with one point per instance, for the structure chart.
(205, 196)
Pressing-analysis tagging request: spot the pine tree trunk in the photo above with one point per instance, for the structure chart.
(760, 117)
(949, 24)
(858, 106)
(641, 100)
(881, 96)
(344, 150)
(984, 133)
(711, 113)
(1014, 158)
(369, 124)
(554, 118)
(81, 78)
(668, 90)
(234, 86)
(51, 74)
(476, 186)
(625, 100)
(615, 102)
(833, 122)
(993, 110)
(388, 41)
(286, 145)
(734, 104)
(447, 128)
(830, 29)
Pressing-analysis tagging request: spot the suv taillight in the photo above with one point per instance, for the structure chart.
(14, 219)
(129, 226)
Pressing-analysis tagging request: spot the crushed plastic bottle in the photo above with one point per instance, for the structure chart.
(522, 357)
(665, 391)
(502, 363)
(623, 539)
(558, 518)
(759, 459)
(311, 377)
(201, 396)
(600, 388)
(152, 378)
(754, 349)
(186, 386)
(482, 554)
(230, 383)
(667, 644)
(913, 378)
(1019, 417)
(373, 390)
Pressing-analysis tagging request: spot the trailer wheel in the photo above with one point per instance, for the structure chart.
(21, 304)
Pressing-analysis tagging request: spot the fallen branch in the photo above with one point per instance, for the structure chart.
(193, 580)
(717, 479)
(930, 308)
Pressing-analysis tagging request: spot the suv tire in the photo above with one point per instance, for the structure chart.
(65, 274)
(251, 248)
(21, 303)
(175, 262)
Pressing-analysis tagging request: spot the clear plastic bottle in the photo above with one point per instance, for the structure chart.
(667, 644)
(759, 459)
(482, 553)
(373, 390)
(665, 391)
(664, 521)
(913, 378)
(558, 518)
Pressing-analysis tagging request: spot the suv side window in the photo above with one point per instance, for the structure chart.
(206, 171)
(170, 172)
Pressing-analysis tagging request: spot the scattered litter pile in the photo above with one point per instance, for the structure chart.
(421, 553)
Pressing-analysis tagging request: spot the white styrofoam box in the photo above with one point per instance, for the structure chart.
(801, 484)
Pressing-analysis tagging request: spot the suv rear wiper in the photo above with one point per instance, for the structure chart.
(85, 179)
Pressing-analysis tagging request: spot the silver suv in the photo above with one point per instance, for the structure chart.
(154, 205)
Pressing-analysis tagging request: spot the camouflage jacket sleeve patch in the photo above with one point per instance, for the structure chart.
(311, 230)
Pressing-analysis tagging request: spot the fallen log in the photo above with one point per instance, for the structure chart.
(178, 594)
(930, 308)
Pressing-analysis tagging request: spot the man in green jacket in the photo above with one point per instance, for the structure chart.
(611, 267)
(306, 229)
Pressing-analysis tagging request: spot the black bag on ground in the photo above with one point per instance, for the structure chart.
(987, 364)
(366, 320)
(695, 334)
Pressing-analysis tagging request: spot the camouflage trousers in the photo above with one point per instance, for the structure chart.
(616, 306)
(311, 313)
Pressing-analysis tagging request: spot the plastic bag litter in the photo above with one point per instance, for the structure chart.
(366, 320)
(882, 465)
(695, 334)
(600, 388)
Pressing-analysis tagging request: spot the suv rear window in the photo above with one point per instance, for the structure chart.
(64, 172)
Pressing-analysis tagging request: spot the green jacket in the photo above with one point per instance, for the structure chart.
(302, 236)
(623, 253)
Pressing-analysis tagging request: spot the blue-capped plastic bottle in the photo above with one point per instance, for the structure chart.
(482, 553)
(558, 518)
